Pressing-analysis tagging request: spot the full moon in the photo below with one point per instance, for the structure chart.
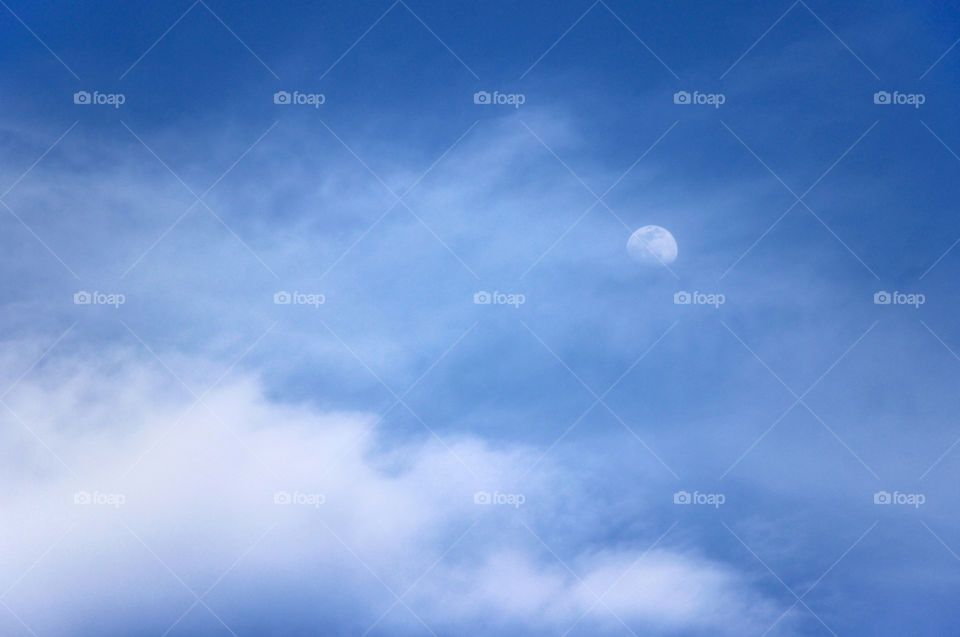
(652, 244)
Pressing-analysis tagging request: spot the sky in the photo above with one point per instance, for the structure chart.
(251, 383)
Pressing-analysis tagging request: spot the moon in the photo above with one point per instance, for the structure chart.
(652, 244)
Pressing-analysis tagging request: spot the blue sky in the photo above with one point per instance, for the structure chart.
(186, 455)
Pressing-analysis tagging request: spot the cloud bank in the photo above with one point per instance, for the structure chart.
(131, 499)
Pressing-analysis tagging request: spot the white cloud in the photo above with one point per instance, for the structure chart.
(198, 489)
